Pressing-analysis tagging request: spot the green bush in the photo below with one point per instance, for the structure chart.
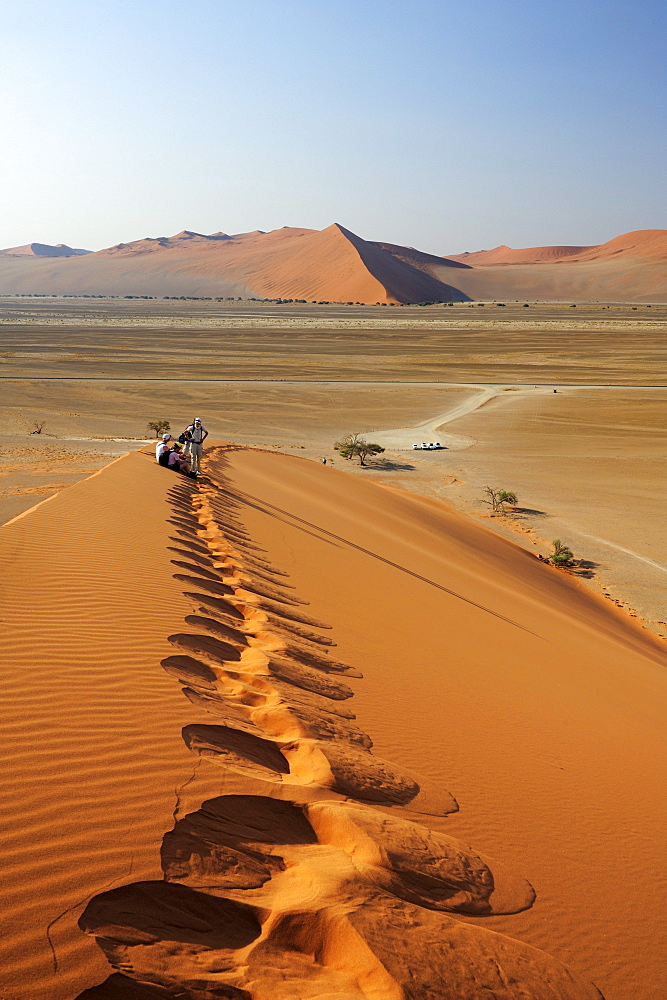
(561, 555)
(355, 446)
(158, 427)
(499, 499)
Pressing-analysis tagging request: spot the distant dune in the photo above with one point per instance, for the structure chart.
(507, 255)
(43, 250)
(336, 265)
(645, 244)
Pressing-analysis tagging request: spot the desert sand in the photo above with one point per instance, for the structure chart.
(444, 774)
(411, 759)
(336, 265)
(587, 462)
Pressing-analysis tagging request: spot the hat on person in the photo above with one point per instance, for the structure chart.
(197, 420)
(166, 437)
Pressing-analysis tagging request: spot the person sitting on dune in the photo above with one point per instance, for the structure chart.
(179, 461)
(162, 450)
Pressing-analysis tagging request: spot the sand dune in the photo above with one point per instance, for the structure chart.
(288, 829)
(647, 244)
(336, 265)
(507, 255)
(43, 250)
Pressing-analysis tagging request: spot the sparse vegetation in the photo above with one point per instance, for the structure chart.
(561, 554)
(499, 499)
(38, 426)
(356, 446)
(158, 427)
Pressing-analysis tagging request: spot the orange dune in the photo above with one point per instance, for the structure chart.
(402, 766)
(508, 255)
(331, 265)
(336, 265)
(647, 244)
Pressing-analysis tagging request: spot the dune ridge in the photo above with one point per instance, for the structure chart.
(336, 265)
(282, 897)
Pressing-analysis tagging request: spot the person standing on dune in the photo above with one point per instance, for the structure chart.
(196, 434)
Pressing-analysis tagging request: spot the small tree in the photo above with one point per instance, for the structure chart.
(158, 427)
(499, 498)
(355, 446)
(561, 555)
(38, 426)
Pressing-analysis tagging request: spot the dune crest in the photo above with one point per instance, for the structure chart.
(43, 250)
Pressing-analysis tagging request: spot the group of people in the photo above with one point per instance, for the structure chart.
(185, 454)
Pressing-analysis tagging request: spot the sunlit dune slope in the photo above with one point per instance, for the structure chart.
(481, 662)
(646, 244)
(629, 268)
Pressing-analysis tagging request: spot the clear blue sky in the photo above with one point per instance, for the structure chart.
(445, 125)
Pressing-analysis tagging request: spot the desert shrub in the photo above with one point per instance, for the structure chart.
(561, 554)
(355, 446)
(499, 499)
(158, 427)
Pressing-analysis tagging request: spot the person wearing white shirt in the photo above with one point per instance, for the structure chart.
(162, 450)
(196, 434)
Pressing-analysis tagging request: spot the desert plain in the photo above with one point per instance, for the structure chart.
(504, 704)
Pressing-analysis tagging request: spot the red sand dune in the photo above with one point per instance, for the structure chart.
(335, 265)
(646, 244)
(288, 829)
(507, 255)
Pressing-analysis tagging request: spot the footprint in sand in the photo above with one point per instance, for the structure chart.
(329, 890)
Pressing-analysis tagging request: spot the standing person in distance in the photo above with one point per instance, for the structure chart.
(196, 434)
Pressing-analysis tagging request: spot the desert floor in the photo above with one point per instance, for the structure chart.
(588, 462)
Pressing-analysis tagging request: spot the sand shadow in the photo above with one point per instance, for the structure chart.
(390, 465)
(585, 568)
